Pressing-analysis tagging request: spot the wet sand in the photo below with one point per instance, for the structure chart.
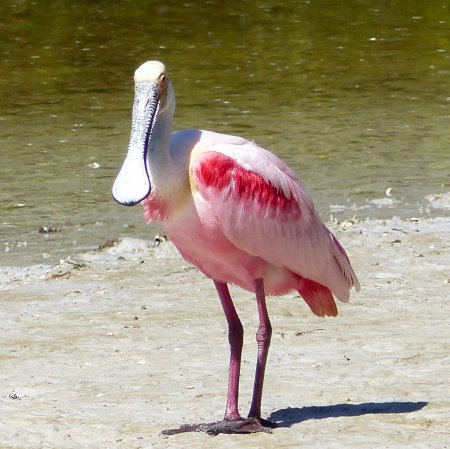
(110, 348)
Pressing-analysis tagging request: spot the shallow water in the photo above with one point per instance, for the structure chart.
(355, 96)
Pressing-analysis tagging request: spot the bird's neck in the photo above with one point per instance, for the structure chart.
(164, 174)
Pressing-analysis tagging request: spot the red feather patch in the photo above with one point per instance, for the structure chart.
(221, 172)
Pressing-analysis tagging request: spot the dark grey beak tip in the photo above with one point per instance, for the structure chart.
(127, 203)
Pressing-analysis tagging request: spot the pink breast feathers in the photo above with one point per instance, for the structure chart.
(154, 209)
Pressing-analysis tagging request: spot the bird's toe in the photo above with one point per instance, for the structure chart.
(249, 425)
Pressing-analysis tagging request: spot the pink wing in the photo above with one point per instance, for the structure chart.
(263, 209)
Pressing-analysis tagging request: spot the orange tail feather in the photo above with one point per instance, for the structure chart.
(318, 297)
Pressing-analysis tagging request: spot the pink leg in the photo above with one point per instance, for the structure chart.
(263, 336)
(233, 422)
(235, 337)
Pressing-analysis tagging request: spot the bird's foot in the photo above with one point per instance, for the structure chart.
(249, 425)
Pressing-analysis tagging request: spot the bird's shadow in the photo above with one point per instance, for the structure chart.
(286, 417)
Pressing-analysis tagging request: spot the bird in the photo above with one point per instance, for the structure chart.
(240, 215)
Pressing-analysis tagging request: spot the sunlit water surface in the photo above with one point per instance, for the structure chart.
(355, 96)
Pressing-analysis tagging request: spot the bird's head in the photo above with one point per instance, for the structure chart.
(154, 103)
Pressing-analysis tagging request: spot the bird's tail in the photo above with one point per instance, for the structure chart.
(318, 297)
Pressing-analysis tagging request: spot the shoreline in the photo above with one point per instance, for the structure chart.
(114, 346)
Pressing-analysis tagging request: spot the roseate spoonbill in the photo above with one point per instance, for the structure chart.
(236, 212)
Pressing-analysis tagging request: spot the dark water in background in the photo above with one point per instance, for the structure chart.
(354, 95)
